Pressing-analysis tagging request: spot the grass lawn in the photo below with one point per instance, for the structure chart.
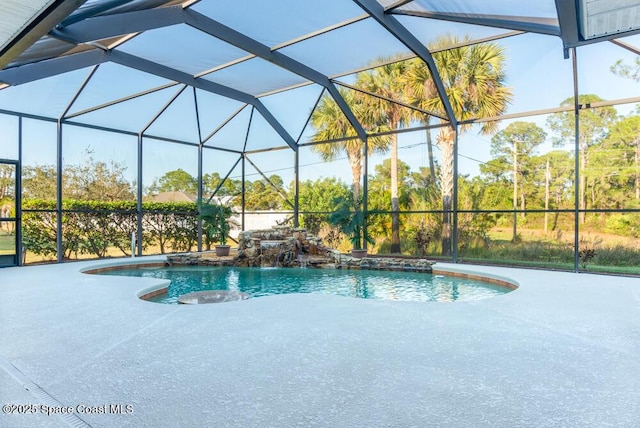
(112, 252)
(7, 243)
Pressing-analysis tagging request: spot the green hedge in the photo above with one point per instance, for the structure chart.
(96, 227)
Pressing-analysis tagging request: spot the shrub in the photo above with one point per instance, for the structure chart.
(624, 225)
(94, 227)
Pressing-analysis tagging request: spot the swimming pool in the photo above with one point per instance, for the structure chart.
(365, 284)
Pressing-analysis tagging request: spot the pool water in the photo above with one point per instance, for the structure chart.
(364, 284)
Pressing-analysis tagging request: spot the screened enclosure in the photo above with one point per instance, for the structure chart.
(490, 132)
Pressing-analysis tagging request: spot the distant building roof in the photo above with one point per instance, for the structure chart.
(172, 197)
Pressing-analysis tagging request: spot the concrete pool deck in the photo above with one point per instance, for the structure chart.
(561, 350)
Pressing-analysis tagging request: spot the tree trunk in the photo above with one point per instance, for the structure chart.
(432, 169)
(547, 177)
(635, 164)
(354, 159)
(446, 140)
(395, 204)
(583, 184)
(356, 171)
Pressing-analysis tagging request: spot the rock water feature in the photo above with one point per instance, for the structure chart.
(281, 247)
(294, 247)
(277, 247)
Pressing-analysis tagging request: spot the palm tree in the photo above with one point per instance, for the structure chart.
(473, 77)
(386, 81)
(330, 123)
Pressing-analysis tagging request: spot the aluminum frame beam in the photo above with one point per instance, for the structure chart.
(268, 180)
(396, 5)
(104, 27)
(52, 67)
(321, 31)
(241, 41)
(568, 22)
(547, 26)
(393, 26)
(121, 100)
(626, 46)
(92, 11)
(391, 100)
(147, 66)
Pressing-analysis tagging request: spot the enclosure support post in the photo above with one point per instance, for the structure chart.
(200, 152)
(576, 186)
(139, 198)
(455, 196)
(59, 191)
(365, 191)
(243, 190)
(199, 196)
(18, 195)
(514, 239)
(296, 183)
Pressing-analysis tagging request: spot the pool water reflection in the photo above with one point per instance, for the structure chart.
(364, 284)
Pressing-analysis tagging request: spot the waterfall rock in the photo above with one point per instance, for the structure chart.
(284, 246)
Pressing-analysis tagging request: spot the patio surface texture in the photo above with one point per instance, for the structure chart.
(561, 351)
